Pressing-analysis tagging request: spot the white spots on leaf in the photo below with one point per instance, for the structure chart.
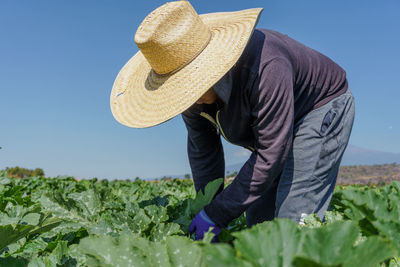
(107, 258)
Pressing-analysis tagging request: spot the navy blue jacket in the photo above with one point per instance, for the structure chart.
(275, 82)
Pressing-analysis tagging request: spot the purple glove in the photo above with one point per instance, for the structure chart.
(202, 223)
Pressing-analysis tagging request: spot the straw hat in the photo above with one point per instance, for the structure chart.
(182, 55)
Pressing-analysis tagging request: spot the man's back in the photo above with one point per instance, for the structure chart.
(316, 78)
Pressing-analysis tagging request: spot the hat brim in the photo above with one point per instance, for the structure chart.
(141, 98)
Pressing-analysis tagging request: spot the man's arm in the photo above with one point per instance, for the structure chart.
(273, 108)
(205, 151)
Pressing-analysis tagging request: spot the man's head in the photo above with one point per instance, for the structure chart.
(182, 55)
(208, 97)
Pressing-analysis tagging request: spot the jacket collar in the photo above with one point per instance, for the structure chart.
(223, 87)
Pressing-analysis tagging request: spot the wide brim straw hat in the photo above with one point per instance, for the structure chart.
(181, 56)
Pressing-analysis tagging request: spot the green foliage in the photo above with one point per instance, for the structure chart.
(273, 244)
(191, 207)
(283, 243)
(130, 250)
(10, 233)
(64, 222)
(376, 210)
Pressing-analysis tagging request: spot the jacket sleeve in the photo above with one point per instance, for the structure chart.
(204, 147)
(272, 106)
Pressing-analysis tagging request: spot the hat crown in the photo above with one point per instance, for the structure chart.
(172, 36)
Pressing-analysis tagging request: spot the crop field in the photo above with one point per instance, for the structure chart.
(64, 222)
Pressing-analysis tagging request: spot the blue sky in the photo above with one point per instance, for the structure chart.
(59, 59)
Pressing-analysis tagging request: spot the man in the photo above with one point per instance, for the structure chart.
(286, 103)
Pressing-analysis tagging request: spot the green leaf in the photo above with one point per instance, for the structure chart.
(84, 207)
(4, 180)
(203, 199)
(370, 253)
(14, 248)
(109, 251)
(32, 218)
(374, 204)
(13, 262)
(306, 262)
(53, 259)
(330, 244)
(13, 232)
(333, 216)
(269, 244)
(128, 250)
(390, 230)
(30, 248)
(312, 221)
(191, 207)
(140, 222)
(333, 245)
(222, 255)
(102, 227)
(155, 252)
(183, 252)
(88, 202)
(62, 209)
(157, 214)
(208, 236)
(162, 230)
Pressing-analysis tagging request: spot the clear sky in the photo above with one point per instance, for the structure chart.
(59, 59)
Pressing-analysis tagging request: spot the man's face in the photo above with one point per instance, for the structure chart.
(208, 97)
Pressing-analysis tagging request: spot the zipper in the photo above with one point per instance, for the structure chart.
(217, 125)
(211, 119)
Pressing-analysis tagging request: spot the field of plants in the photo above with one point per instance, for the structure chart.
(64, 222)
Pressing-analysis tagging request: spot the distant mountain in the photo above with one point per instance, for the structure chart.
(361, 156)
(352, 156)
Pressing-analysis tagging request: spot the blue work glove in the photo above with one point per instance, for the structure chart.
(201, 224)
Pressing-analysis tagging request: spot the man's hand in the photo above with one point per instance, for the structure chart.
(201, 224)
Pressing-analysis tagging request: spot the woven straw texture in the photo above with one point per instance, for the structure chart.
(169, 74)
